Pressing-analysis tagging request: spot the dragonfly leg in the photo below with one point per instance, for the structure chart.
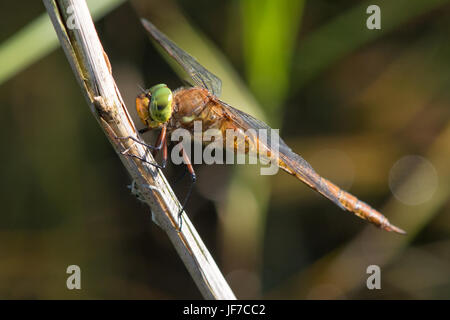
(137, 141)
(142, 159)
(160, 141)
(190, 168)
(164, 157)
(158, 147)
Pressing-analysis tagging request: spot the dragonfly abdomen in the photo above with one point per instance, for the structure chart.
(328, 189)
(362, 209)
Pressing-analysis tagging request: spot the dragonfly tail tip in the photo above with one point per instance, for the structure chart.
(395, 229)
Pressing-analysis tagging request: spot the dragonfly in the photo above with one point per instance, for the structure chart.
(160, 108)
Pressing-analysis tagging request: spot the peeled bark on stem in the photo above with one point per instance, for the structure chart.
(78, 37)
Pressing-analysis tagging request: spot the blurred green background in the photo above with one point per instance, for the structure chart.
(369, 109)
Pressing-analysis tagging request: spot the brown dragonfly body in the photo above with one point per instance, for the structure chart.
(198, 104)
(159, 107)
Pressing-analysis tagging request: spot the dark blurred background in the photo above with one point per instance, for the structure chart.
(369, 109)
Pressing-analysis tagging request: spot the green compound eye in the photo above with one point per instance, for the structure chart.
(160, 103)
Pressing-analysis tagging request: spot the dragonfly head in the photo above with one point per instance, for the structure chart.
(154, 106)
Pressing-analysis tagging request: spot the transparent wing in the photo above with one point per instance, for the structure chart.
(289, 159)
(200, 75)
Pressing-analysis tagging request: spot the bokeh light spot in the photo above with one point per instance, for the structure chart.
(413, 180)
